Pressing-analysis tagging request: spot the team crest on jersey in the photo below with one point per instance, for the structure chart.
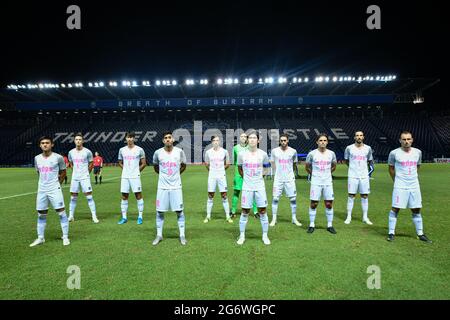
(60, 203)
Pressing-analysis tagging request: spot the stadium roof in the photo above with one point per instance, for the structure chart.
(400, 89)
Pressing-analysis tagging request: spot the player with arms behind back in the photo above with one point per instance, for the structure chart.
(404, 163)
(237, 182)
(285, 160)
(80, 159)
(251, 168)
(51, 169)
(66, 161)
(217, 160)
(169, 163)
(98, 166)
(358, 157)
(132, 161)
(320, 164)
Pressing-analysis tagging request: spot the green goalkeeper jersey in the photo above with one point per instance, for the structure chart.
(236, 150)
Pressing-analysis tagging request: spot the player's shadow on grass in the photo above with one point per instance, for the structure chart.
(340, 215)
(383, 231)
(230, 233)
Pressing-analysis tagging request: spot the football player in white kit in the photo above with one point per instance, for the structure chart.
(81, 160)
(51, 169)
(285, 160)
(132, 161)
(251, 164)
(217, 160)
(358, 157)
(321, 163)
(404, 163)
(169, 163)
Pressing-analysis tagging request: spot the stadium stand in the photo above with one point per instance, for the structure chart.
(19, 141)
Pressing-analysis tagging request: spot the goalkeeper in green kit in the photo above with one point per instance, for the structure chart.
(238, 180)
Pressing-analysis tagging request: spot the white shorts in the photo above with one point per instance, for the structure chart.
(406, 198)
(316, 192)
(248, 197)
(85, 186)
(220, 182)
(133, 183)
(169, 200)
(55, 197)
(361, 186)
(289, 188)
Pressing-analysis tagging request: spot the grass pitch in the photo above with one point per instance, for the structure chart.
(119, 262)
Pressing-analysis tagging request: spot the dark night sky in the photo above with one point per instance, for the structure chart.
(217, 38)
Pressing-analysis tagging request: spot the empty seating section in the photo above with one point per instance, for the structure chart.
(442, 127)
(19, 141)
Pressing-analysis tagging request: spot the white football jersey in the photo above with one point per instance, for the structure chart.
(48, 169)
(131, 159)
(169, 167)
(252, 165)
(80, 160)
(405, 164)
(321, 166)
(358, 158)
(284, 163)
(216, 160)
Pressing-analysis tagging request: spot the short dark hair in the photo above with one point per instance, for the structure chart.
(284, 135)
(78, 134)
(130, 134)
(359, 131)
(255, 133)
(213, 137)
(45, 138)
(405, 132)
(167, 133)
(321, 135)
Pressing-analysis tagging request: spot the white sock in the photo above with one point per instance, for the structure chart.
(159, 223)
(243, 223)
(264, 223)
(140, 205)
(226, 207)
(209, 205)
(350, 202)
(365, 207)
(329, 213)
(91, 205)
(312, 217)
(72, 205)
(418, 222)
(392, 221)
(274, 209)
(294, 209)
(41, 223)
(64, 224)
(124, 208)
(181, 223)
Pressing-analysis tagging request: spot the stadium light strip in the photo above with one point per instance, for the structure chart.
(269, 80)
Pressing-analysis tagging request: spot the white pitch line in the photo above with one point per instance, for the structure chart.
(28, 193)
